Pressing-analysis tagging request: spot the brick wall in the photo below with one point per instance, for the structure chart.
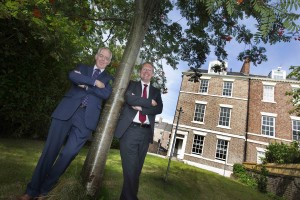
(244, 123)
(284, 186)
(280, 106)
(189, 94)
(282, 179)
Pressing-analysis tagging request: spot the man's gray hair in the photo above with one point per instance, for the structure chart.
(106, 48)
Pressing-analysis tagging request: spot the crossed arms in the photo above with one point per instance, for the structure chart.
(92, 86)
(150, 106)
(97, 83)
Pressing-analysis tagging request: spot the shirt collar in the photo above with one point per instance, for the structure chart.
(142, 82)
(95, 67)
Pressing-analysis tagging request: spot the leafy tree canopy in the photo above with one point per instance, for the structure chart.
(295, 94)
(42, 39)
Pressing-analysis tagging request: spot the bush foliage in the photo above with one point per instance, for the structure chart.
(243, 176)
(281, 153)
(262, 180)
(39, 46)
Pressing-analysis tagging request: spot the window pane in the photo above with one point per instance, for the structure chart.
(268, 93)
(203, 86)
(199, 112)
(227, 88)
(260, 156)
(268, 125)
(198, 144)
(221, 151)
(224, 116)
(296, 130)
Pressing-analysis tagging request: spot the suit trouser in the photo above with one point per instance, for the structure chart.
(133, 149)
(64, 141)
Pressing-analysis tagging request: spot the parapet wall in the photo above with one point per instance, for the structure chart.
(283, 179)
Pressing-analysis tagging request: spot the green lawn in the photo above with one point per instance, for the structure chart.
(18, 158)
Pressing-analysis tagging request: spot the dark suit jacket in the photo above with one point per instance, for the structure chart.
(133, 98)
(75, 95)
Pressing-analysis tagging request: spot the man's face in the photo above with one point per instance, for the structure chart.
(146, 73)
(103, 58)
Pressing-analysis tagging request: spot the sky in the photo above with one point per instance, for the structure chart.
(281, 55)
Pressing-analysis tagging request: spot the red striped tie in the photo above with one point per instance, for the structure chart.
(142, 117)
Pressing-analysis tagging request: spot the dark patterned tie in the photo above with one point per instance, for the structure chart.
(142, 117)
(86, 98)
(96, 73)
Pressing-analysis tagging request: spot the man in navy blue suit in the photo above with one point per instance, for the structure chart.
(135, 128)
(72, 124)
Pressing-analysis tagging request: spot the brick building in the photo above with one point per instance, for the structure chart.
(161, 138)
(268, 117)
(231, 117)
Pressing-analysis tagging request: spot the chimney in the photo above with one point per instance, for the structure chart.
(160, 120)
(246, 66)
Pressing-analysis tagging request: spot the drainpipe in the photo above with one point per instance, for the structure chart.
(247, 120)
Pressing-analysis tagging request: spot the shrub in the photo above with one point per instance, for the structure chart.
(243, 176)
(238, 168)
(262, 180)
(281, 153)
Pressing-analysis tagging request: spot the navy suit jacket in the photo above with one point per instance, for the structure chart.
(73, 98)
(133, 98)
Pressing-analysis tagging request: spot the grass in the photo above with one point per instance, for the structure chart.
(18, 158)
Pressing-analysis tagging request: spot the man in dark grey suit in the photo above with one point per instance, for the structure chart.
(135, 128)
(73, 121)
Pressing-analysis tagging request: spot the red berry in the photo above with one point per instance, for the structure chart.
(37, 13)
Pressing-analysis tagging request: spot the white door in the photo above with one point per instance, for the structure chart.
(178, 148)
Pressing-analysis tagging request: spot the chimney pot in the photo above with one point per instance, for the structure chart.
(246, 66)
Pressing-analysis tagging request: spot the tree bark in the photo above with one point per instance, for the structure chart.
(93, 169)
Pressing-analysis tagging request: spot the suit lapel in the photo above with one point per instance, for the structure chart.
(138, 88)
(151, 92)
(102, 74)
(90, 71)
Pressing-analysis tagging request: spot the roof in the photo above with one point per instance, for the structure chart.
(205, 71)
(164, 126)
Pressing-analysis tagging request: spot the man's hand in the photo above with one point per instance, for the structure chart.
(99, 84)
(138, 108)
(153, 102)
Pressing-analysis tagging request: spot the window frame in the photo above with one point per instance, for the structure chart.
(268, 92)
(218, 149)
(204, 86)
(227, 92)
(296, 132)
(229, 107)
(268, 116)
(199, 146)
(260, 154)
(201, 103)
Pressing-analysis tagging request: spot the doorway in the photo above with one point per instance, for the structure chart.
(178, 149)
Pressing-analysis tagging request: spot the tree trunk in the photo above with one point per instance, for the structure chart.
(93, 169)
